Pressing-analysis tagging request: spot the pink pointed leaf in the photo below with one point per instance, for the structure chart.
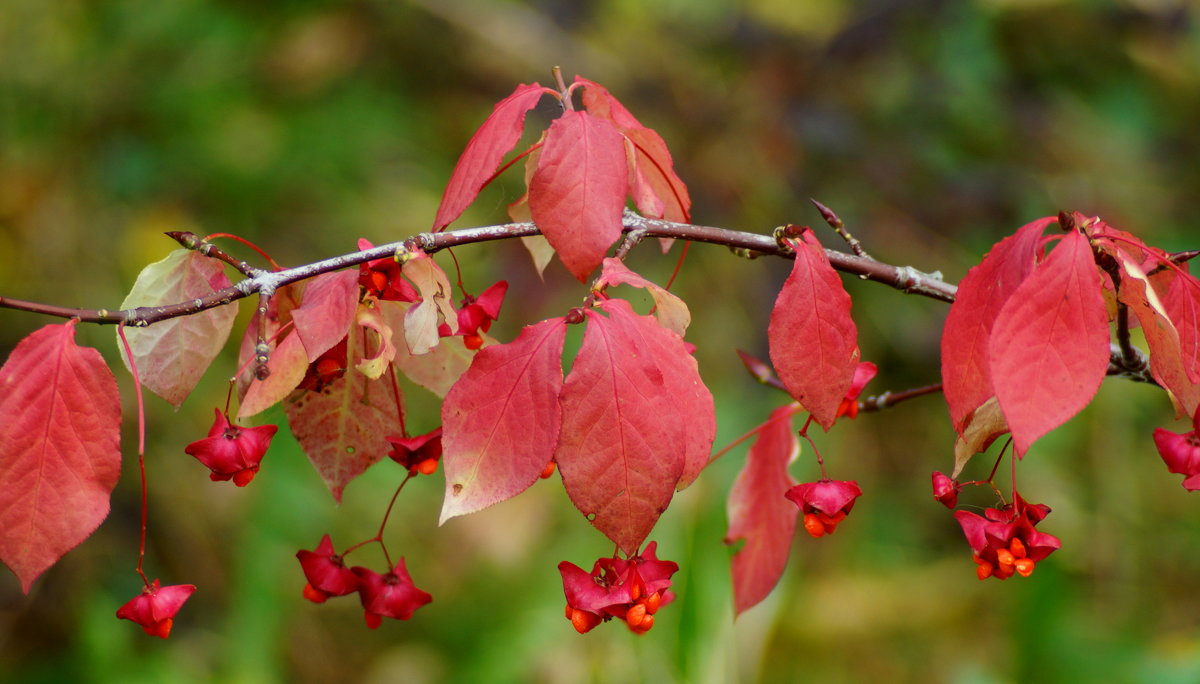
(486, 149)
(1162, 336)
(288, 363)
(812, 339)
(327, 311)
(622, 449)
(685, 401)
(653, 183)
(1049, 349)
(343, 428)
(759, 513)
(60, 454)
(1182, 302)
(577, 194)
(172, 355)
(966, 380)
(500, 421)
(670, 310)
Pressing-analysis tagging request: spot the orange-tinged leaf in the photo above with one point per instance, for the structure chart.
(327, 311)
(577, 194)
(500, 421)
(343, 428)
(172, 355)
(380, 351)
(60, 454)
(759, 513)
(482, 157)
(1049, 347)
(624, 443)
(812, 339)
(966, 378)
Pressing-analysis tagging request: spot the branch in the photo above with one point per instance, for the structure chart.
(904, 278)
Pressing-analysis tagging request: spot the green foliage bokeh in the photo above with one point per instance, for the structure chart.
(933, 128)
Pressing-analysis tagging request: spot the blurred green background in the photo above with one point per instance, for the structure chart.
(933, 127)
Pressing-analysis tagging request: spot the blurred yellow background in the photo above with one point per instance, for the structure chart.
(933, 128)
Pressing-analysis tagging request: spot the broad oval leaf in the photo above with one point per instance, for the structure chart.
(486, 149)
(343, 428)
(172, 355)
(1182, 302)
(60, 454)
(1049, 348)
(966, 379)
(622, 447)
(500, 421)
(577, 194)
(812, 339)
(760, 514)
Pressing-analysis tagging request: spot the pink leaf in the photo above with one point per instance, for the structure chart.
(670, 310)
(172, 355)
(685, 402)
(623, 448)
(966, 381)
(1162, 335)
(485, 151)
(653, 184)
(813, 341)
(1182, 302)
(501, 420)
(60, 454)
(1049, 345)
(343, 428)
(327, 311)
(578, 191)
(759, 513)
(288, 364)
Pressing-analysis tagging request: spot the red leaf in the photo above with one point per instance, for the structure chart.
(813, 341)
(172, 355)
(624, 443)
(759, 513)
(1182, 302)
(966, 381)
(485, 151)
(60, 453)
(1049, 345)
(1162, 335)
(653, 184)
(501, 419)
(326, 311)
(577, 194)
(343, 428)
